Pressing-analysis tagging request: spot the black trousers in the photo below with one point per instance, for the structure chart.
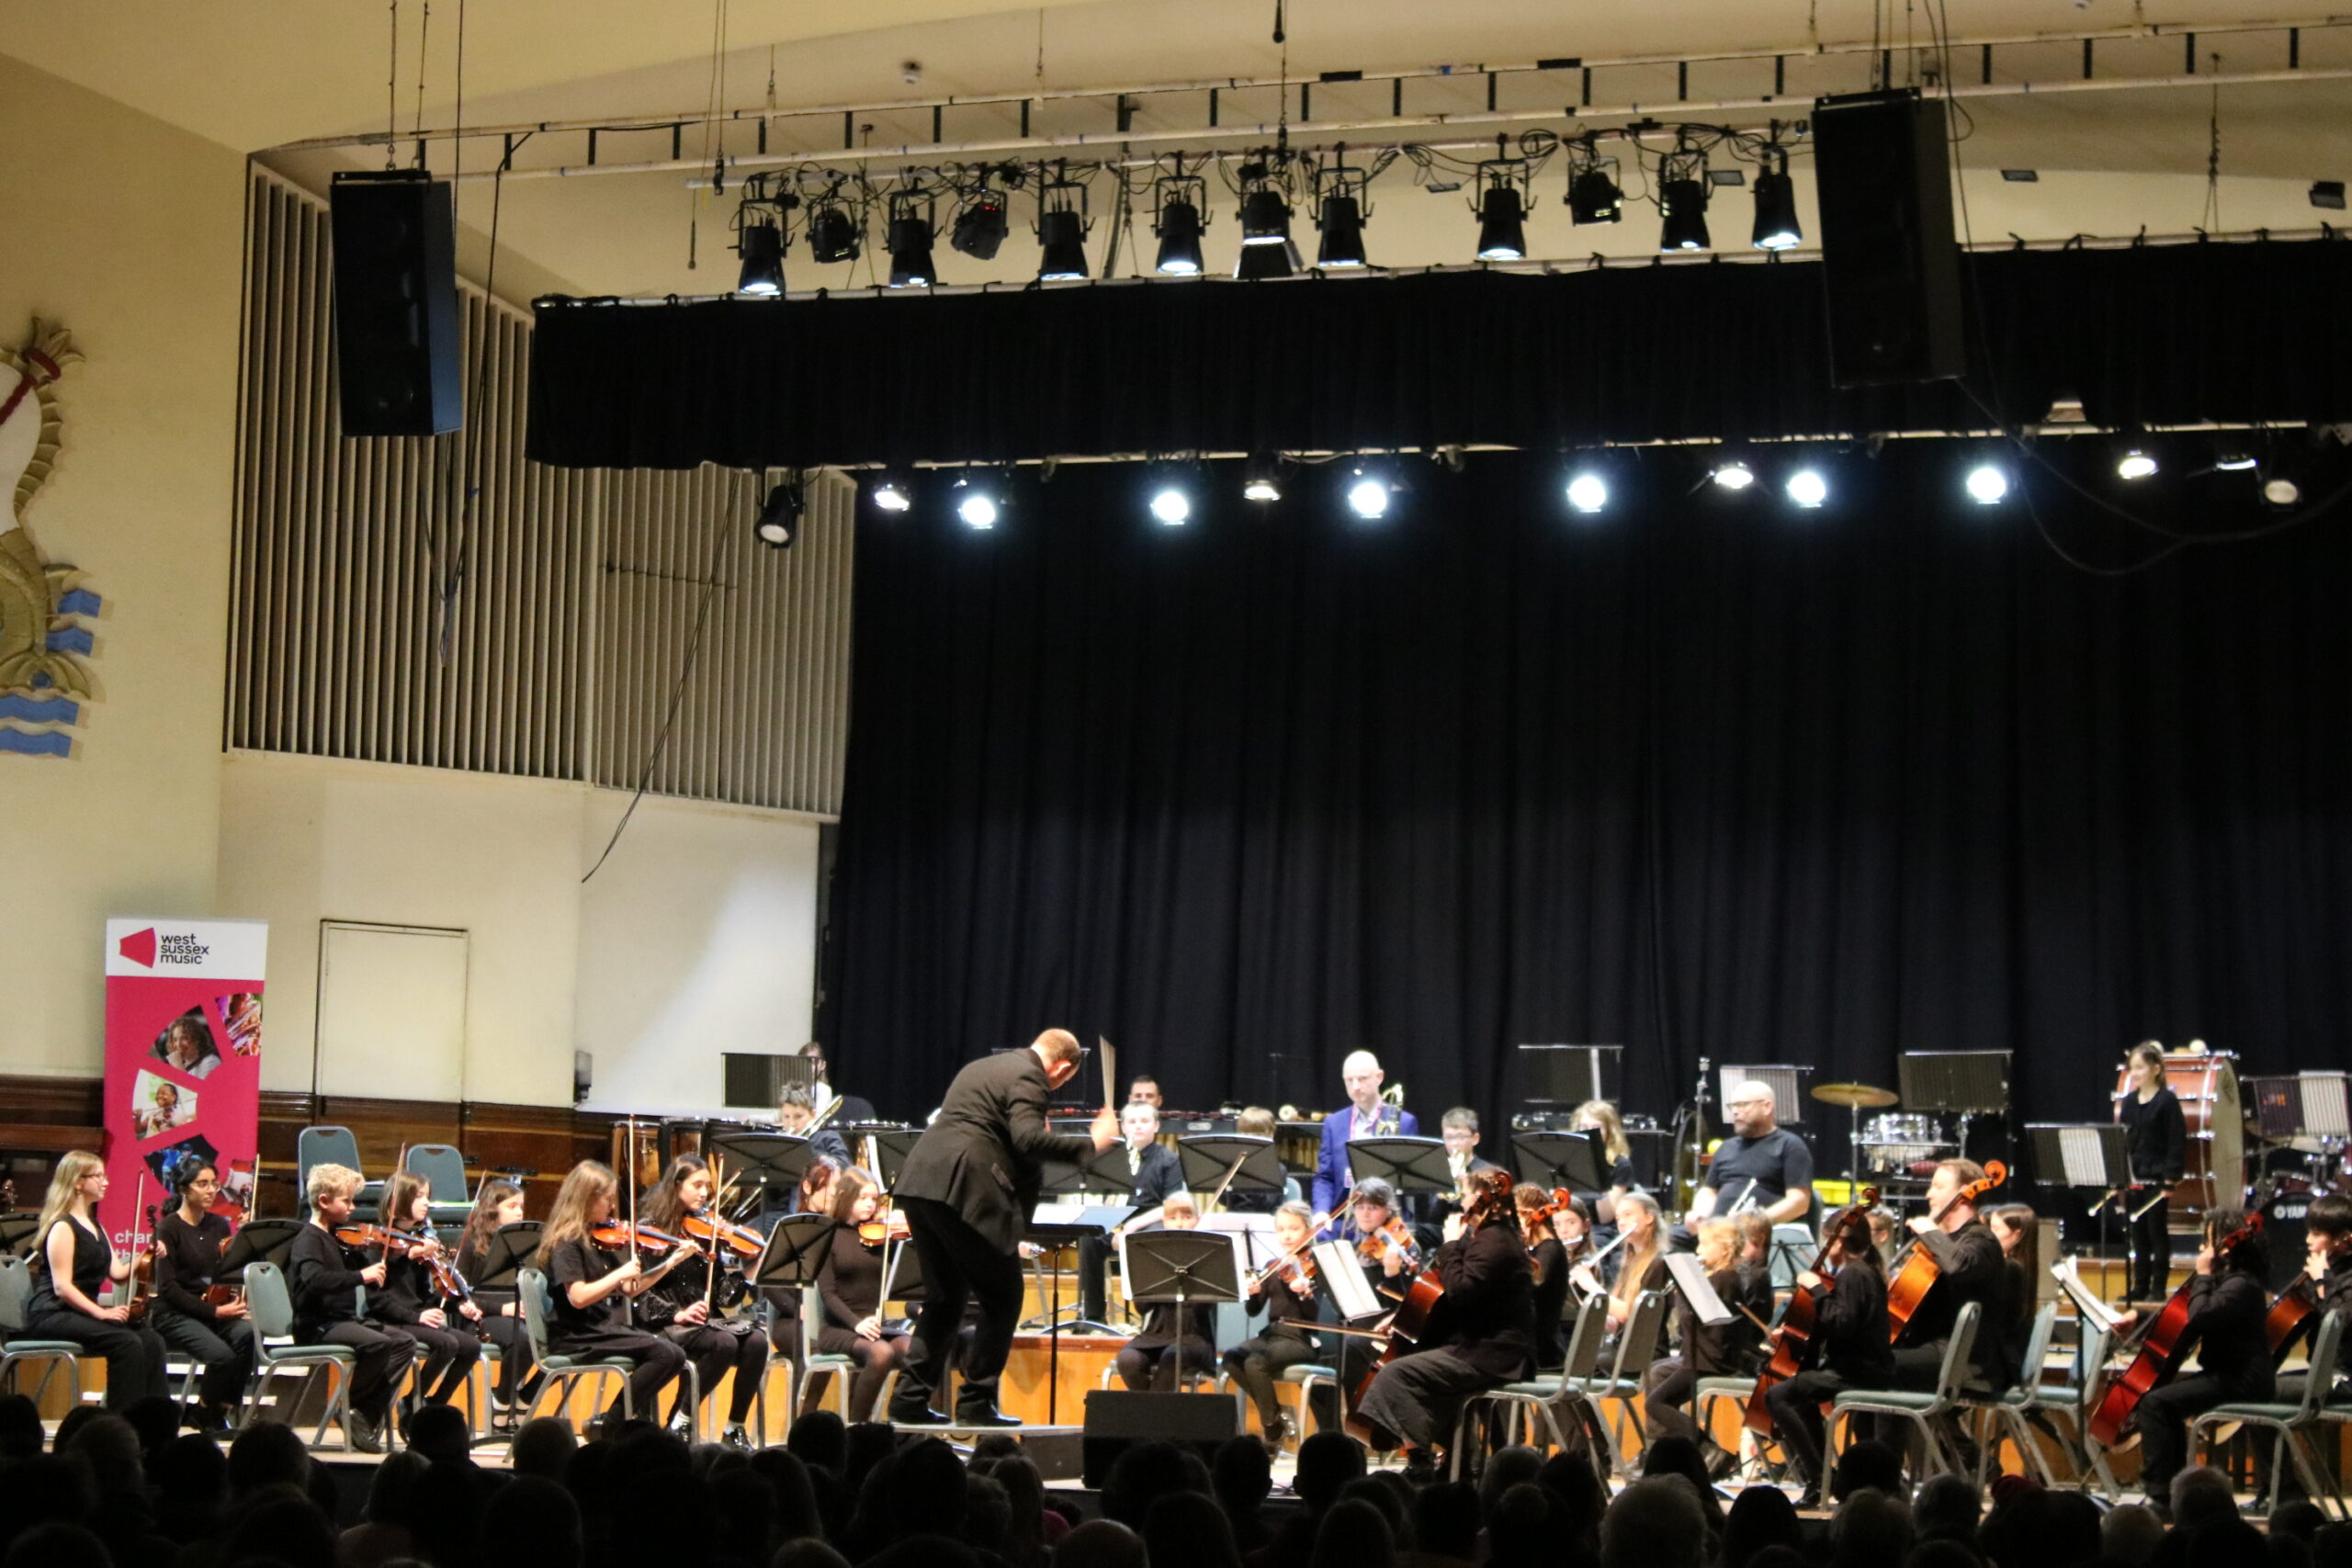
(960, 1266)
(2163, 1416)
(2151, 1237)
(450, 1354)
(1667, 1389)
(1797, 1422)
(718, 1349)
(133, 1352)
(383, 1351)
(1417, 1397)
(222, 1346)
(512, 1337)
(874, 1358)
(1258, 1365)
(1148, 1364)
(659, 1362)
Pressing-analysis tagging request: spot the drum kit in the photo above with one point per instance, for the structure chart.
(1893, 1145)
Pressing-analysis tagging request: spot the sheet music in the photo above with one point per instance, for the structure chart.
(1691, 1278)
(2078, 1149)
(1256, 1233)
(2325, 1114)
(1336, 1266)
(2069, 1278)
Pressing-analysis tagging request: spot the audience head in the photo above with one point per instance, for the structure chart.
(108, 1446)
(47, 1488)
(1184, 1529)
(1101, 1543)
(284, 1525)
(394, 1484)
(1656, 1522)
(543, 1448)
(1946, 1508)
(2201, 1495)
(532, 1522)
(1871, 1528)
(1519, 1527)
(266, 1454)
(1761, 1518)
(820, 1437)
(1445, 1520)
(440, 1434)
(1513, 1466)
(1871, 1466)
(21, 1435)
(1678, 1455)
(2301, 1518)
(2129, 1534)
(1243, 1476)
(1326, 1461)
(1352, 1533)
(795, 1499)
(57, 1545)
(925, 1490)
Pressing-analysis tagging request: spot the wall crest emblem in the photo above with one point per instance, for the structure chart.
(47, 613)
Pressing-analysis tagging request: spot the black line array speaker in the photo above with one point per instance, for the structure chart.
(1117, 1422)
(396, 303)
(1890, 263)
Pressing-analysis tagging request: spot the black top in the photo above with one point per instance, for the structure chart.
(1160, 1324)
(849, 1280)
(407, 1290)
(1779, 1161)
(1551, 1263)
(2159, 1135)
(1286, 1312)
(1723, 1350)
(983, 1154)
(2225, 1314)
(1849, 1328)
(187, 1259)
(323, 1282)
(1490, 1305)
(575, 1262)
(92, 1265)
(2335, 1291)
(1158, 1172)
(1970, 1268)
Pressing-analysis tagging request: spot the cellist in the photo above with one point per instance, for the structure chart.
(2327, 1264)
(1970, 1268)
(2227, 1303)
(1849, 1347)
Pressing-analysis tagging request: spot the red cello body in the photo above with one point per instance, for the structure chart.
(2159, 1354)
(1911, 1283)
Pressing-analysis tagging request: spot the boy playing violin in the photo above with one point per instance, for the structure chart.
(324, 1279)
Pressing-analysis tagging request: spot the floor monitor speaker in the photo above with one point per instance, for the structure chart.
(1117, 1422)
(1890, 263)
(395, 303)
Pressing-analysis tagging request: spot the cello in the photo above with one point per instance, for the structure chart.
(1919, 1271)
(1794, 1339)
(1409, 1324)
(2159, 1353)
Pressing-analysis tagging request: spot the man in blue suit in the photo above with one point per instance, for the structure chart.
(1366, 1116)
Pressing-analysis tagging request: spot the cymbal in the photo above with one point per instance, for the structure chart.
(1854, 1096)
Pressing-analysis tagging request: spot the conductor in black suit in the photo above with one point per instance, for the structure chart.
(967, 1190)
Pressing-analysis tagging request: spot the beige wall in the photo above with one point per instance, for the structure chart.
(696, 937)
(128, 232)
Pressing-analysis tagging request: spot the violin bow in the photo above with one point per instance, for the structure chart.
(710, 1275)
(1231, 1171)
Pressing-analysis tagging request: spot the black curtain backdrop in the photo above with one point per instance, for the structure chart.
(1707, 778)
(2161, 334)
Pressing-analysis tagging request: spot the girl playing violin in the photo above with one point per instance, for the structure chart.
(1849, 1347)
(1159, 1353)
(499, 1203)
(2227, 1304)
(849, 1287)
(217, 1336)
(72, 1261)
(415, 1303)
(682, 1305)
(591, 1288)
(1286, 1298)
(324, 1279)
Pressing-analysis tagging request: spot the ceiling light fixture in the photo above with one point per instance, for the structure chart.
(1588, 492)
(1682, 201)
(833, 235)
(1062, 228)
(891, 494)
(910, 232)
(1502, 207)
(982, 222)
(1342, 202)
(1987, 484)
(1731, 474)
(1807, 488)
(1776, 204)
(1593, 194)
(1179, 204)
(2135, 464)
(779, 521)
(976, 503)
(1261, 479)
(1368, 493)
(760, 244)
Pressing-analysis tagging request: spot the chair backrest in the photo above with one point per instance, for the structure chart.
(2037, 1348)
(2326, 1349)
(1958, 1351)
(15, 1292)
(2090, 1357)
(812, 1307)
(322, 1146)
(441, 1166)
(268, 1302)
(531, 1289)
(1638, 1343)
(1584, 1341)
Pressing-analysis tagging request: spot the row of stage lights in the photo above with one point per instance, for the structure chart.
(1369, 488)
(1268, 187)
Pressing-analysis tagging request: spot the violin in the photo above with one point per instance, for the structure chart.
(741, 1241)
(882, 1228)
(142, 1269)
(2160, 1351)
(1397, 1234)
(1793, 1342)
(1917, 1272)
(614, 1236)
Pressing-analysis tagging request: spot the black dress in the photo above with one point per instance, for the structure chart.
(1489, 1312)
(133, 1352)
(849, 1287)
(187, 1257)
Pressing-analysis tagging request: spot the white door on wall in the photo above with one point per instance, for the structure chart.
(391, 1011)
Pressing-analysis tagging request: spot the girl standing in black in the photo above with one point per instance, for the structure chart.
(2159, 1140)
(591, 1289)
(849, 1286)
(219, 1337)
(1850, 1349)
(73, 1262)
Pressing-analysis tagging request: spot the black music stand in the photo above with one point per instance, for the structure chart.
(1573, 1160)
(1207, 1158)
(1052, 1237)
(510, 1247)
(256, 1241)
(1974, 1083)
(766, 1161)
(1409, 1165)
(1183, 1267)
(795, 1251)
(1107, 1171)
(890, 1151)
(17, 1230)
(2086, 1154)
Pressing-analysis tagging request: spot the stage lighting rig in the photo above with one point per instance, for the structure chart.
(1587, 491)
(1593, 193)
(1988, 482)
(834, 233)
(1179, 213)
(1807, 488)
(974, 499)
(762, 234)
(909, 234)
(983, 219)
(1776, 204)
(1368, 492)
(779, 520)
(890, 492)
(1172, 495)
(1261, 479)
(1502, 207)
(1682, 200)
(2137, 463)
(1342, 202)
(1062, 228)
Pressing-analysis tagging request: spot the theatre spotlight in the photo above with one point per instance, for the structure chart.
(833, 235)
(760, 244)
(891, 494)
(1587, 491)
(1265, 215)
(981, 224)
(1368, 493)
(1178, 202)
(2281, 491)
(779, 521)
(1266, 260)
(1502, 207)
(1342, 202)
(1776, 206)
(1989, 484)
(1061, 229)
(1593, 195)
(1682, 201)
(1261, 479)
(910, 232)
(2135, 464)
(1807, 488)
(1731, 474)
(976, 502)
(2233, 460)
(1171, 502)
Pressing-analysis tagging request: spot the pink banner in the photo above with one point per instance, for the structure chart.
(183, 1064)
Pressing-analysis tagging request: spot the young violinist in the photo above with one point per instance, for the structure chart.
(1386, 1252)
(1169, 1346)
(1639, 1262)
(685, 1306)
(414, 1302)
(1849, 1347)
(591, 1288)
(72, 1261)
(2227, 1304)
(849, 1289)
(1487, 1334)
(324, 1279)
(2158, 1138)
(499, 1203)
(1969, 1267)
(1702, 1351)
(1549, 1258)
(1284, 1296)
(217, 1336)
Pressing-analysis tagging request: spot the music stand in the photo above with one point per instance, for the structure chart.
(794, 1252)
(256, 1241)
(1183, 1267)
(2092, 1153)
(1107, 1171)
(1549, 1160)
(1053, 1237)
(891, 1148)
(1408, 1164)
(1568, 1075)
(1207, 1158)
(510, 1247)
(765, 1160)
(1974, 1083)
